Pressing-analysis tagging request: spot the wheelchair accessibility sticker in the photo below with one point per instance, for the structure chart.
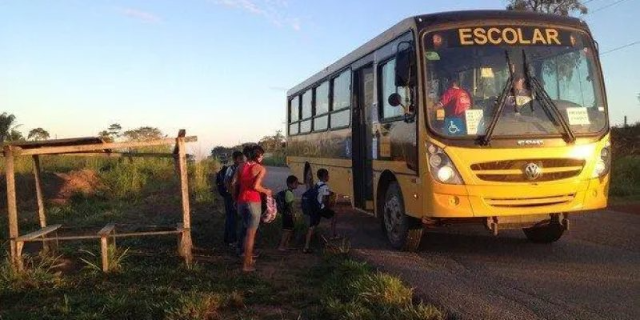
(454, 126)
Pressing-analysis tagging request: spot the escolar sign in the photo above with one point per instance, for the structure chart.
(501, 36)
(508, 35)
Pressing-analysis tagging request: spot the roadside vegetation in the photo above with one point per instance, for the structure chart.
(625, 169)
(149, 281)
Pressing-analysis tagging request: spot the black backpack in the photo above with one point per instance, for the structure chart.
(309, 201)
(222, 189)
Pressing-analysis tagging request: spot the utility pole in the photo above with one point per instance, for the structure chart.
(625, 121)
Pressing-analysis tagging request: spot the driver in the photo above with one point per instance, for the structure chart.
(454, 100)
(522, 94)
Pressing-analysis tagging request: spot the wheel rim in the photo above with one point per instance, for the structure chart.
(393, 218)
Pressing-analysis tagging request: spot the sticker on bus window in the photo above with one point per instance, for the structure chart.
(473, 118)
(578, 116)
(453, 126)
(432, 56)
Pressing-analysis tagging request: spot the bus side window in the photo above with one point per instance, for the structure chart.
(387, 86)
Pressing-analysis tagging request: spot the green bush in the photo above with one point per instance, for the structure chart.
(625, 176)
(275, 161)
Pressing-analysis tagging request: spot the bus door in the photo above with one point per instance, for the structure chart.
(361, 136)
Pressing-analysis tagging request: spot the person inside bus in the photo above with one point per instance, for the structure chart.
(451, 107)
(520, 95)
(455, 100)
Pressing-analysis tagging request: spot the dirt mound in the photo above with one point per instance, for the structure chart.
(81, 182)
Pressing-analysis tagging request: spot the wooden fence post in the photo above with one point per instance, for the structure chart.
(185, 243)
(12, 208)
(39, 196)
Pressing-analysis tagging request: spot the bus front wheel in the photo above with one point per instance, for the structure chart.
(545, 234)
(404, 232)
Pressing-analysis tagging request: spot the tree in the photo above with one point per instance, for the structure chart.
(143, 134)
(221, 152)
(104, 135)
(38, 134)
(14, 135)
(559, 7)
(273, 143)
(6, 125)
(114, 130)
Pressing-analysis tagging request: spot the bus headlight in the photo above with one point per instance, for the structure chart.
(441, 166)
(445, 174)
(603, 162)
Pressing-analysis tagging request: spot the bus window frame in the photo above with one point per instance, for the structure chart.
(333, 111)
(297, 122)
(379, 85)
(314, 106)
(471, 141)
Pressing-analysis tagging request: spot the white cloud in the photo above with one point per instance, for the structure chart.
(140, 15)
(273, 11)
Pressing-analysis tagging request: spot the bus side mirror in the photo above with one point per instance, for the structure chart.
(404, 70)
(394, 100)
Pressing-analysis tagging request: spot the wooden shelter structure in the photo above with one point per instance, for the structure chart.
(91, 146)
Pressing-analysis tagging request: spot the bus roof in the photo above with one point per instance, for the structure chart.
(430, 20)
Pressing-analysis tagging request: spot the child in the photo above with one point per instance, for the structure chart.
(324, 199)
(285, 199)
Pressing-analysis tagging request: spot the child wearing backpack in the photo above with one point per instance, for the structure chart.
(223, 181)
(316, 204)
(285, 199)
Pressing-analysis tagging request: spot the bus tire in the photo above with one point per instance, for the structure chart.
(545, 234)
(403, 232)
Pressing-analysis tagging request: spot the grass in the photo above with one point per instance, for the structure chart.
(353, 290)
(150, 282)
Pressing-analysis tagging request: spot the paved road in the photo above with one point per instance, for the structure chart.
(593, 272)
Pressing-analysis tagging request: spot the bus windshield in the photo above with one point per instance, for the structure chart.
(472, 71)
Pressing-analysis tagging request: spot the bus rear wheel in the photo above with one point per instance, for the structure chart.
(544, 234)
(404, 232)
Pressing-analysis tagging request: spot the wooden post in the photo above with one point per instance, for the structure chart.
(104, 252)
(36, 174)
(12, 208)
(186, 213)
(104, 244)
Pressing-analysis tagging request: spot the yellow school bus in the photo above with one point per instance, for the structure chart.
(490, 117)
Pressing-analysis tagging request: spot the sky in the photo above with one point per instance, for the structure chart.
(221, 68)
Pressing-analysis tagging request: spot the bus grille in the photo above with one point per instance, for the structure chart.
(513, 170)
(529, 202)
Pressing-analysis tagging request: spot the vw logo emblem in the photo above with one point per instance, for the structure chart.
(532, 171)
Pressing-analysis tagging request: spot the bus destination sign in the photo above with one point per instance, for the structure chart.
(501, 36)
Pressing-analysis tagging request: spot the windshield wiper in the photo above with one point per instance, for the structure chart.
(547, 103)
(500, 103)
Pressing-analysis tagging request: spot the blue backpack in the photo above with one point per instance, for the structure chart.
(222, 189)
(309, 201)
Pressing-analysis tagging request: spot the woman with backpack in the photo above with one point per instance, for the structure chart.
(249, 177)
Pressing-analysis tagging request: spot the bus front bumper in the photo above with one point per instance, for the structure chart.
(468, 201)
